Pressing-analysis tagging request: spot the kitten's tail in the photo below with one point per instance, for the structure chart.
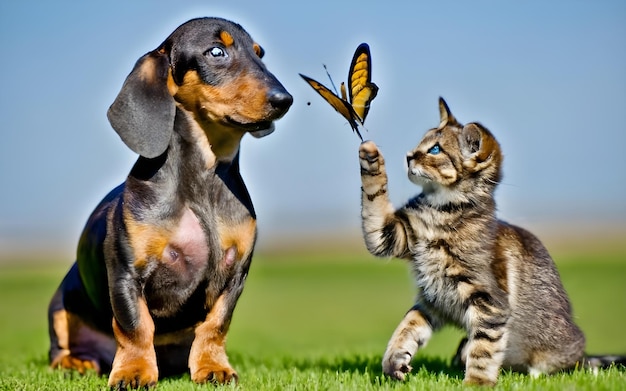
(603, 361)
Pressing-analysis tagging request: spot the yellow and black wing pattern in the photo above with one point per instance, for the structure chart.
(342, 106)
(361, 90)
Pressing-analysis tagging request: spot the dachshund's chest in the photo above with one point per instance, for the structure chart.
(226, 239)
(186, 255)
(188, 245)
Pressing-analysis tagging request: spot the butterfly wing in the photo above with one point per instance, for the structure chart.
(343, 107)
(361, 90)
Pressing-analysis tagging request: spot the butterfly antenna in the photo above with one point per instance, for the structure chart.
(359, 134)
(356, 130)
(331, 80)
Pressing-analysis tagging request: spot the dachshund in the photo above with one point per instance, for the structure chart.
(163, 258)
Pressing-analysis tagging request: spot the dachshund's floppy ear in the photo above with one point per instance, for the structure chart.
(143, 112)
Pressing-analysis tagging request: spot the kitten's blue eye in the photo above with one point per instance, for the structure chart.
(435, 149)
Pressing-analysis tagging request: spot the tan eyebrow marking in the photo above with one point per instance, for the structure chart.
(226, 38)
(257, 49)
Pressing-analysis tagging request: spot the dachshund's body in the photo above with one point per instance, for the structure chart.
(163, 258)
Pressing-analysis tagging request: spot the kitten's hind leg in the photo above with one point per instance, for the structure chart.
(487, 338)
(411, 334)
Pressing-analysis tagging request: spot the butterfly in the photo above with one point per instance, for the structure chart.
(355, 104)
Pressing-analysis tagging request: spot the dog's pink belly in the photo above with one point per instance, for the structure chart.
(187, 247)
(185, 260)
(179, 268)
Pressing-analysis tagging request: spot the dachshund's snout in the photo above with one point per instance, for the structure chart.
(280, 99)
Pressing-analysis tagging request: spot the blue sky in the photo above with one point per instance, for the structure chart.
(547, 78)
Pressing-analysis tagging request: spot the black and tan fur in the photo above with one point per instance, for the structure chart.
(163, 259)
(491, 278)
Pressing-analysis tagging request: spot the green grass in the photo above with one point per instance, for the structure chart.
(320, 322)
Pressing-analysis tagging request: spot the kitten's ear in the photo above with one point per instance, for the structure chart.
(445, 116)
(478, 146)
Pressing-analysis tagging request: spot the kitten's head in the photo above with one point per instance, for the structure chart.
(455, 157)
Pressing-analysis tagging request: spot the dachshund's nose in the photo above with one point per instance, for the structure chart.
(279, 99)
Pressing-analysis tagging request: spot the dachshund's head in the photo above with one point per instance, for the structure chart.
(211, 70)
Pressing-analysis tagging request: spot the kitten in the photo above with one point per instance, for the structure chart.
(491, 278)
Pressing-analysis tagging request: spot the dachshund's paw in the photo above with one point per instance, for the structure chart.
(80, 365)
(397, 364)
(370, 158)
(137, 374)
(215, 373)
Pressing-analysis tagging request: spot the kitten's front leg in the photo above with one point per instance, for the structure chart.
(383, 231)
(411, 334)
(373, 175)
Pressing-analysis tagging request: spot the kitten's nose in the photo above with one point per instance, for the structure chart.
(409, 157)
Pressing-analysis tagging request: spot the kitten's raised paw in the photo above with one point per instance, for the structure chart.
(370, 158)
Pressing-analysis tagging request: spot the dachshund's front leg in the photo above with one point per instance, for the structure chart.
(135, 364)
(208, 361)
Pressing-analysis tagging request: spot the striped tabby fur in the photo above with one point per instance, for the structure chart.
(491, 278)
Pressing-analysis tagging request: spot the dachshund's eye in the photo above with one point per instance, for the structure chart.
(435, 149)
(216, 52)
